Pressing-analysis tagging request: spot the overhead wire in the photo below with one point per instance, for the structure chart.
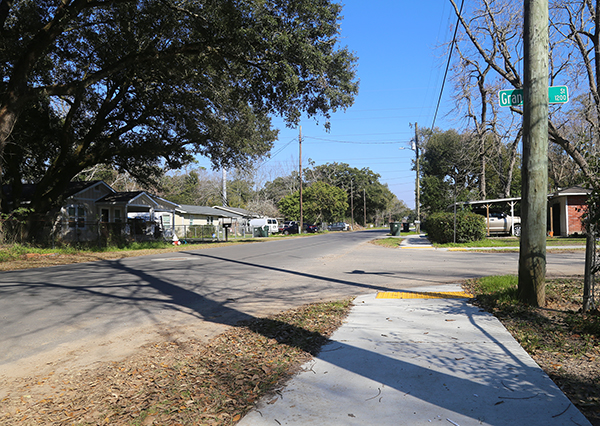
(262, 163)
(354, 142)
(388, 142)
(448, 63)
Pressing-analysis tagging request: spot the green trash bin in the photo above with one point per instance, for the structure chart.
(395, 229)
(259, 231)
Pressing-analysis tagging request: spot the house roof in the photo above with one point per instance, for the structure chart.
(204, 210)
(572, 190)
(131, 198)
(121, 197)
(79, 186)
(238, 211)
(28, 189)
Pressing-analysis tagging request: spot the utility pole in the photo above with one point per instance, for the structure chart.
(417, 183)
(365, 207)
(352, 203)
(301, 224)
(532, 254)
(224, 184)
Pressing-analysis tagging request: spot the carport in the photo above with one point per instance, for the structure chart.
(566, 207)
(488, 203)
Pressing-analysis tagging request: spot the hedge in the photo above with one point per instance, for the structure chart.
(469, 227)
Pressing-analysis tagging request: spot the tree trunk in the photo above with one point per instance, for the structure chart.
(482, 182)
(8, 118)
(590, 253)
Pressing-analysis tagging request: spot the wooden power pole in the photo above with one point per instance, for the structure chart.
(301, 224)
(365, 207)
(417, 183)
(534, 197)
(352, 203)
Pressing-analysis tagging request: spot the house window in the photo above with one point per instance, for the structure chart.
(104, 216)
(76, 216)
(209, 220)
(191, 220)
(117, 216)
(166, 220)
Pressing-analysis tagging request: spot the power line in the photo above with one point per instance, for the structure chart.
(277, 152)
(448, 64)
(357, 143)
(375, 134)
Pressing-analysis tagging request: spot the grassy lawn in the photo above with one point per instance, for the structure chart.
(561, 339)
(514, 242)
(18, 256)
(500, 242)
(390, 242)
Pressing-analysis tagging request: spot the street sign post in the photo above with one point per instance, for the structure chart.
(514, 97)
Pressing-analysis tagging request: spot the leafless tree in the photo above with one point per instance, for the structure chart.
(472, 78)
(263, 207)
(494, 32)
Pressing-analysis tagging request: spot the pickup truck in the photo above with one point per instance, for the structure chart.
(501, 223)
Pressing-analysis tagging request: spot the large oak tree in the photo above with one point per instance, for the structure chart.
(144, 84)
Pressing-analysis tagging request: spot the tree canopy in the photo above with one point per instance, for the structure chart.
(451, 169)
(143, 85)
(320, 202)
(361, 185)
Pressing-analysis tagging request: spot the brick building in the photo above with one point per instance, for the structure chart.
(565, 211)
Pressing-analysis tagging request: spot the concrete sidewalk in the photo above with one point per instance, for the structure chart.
(421, 242)
(416, 361)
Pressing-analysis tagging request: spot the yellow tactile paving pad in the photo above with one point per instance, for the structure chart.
(423, 295)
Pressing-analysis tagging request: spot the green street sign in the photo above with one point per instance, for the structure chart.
(558, 94)
(514, 97)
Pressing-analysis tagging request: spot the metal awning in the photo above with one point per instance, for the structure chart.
(488, 203)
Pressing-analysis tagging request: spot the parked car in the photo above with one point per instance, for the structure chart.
(311, 228)
(339, 226)
(502, 223)
(292, 228)
(285, 224)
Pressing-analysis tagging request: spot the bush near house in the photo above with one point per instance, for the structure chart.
(469, 227)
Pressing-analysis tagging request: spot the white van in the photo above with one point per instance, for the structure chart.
(267, 221)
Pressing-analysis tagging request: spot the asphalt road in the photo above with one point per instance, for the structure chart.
(89, 311)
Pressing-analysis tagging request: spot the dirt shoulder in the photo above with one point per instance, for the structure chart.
(170, 382)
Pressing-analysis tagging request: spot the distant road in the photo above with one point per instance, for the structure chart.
(103, 309)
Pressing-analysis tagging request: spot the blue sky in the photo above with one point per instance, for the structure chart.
(401, 68)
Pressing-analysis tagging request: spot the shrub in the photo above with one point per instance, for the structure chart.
(469, 227)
